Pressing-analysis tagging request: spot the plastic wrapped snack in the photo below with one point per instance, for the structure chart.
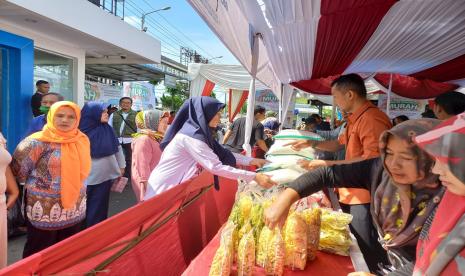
(335, 220)
(334, 235)
(256, 220)
(234, 215)
(313, 219)
(224, 256)
(245, 204)
(230, 235)
(335, 241)
(275, 257)
(295, 238)
(265, 236)
(244, 230)
(246, 255)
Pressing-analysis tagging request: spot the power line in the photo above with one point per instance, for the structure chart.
(182, 33)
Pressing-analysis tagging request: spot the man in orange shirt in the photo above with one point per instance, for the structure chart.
(361, 138)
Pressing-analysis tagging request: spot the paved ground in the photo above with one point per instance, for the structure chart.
(118, 202)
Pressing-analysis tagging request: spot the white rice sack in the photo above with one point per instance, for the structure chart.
(283, 176)
(293, 134)
(283, 162)
(278, 148)
(283, 159)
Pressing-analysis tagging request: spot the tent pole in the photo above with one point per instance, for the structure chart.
(388, 107)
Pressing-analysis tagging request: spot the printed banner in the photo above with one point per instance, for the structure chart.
(269, 101)
(142, 94)
(411, 108)
(102, 93)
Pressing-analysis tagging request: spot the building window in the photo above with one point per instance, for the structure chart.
(57, 70)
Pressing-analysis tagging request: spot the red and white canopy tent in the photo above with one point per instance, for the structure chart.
(416, 48)
(234, 78)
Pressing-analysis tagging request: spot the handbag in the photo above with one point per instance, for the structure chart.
(119, 184)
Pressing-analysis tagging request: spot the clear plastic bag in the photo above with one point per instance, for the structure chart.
(246, 255)
(295, 238)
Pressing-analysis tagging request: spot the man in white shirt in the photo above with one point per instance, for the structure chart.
(123, 122)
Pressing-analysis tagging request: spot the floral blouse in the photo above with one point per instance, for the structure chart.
(37, 164)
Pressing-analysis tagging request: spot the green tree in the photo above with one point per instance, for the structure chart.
(176, 96)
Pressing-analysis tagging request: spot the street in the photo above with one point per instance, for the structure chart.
(118, 202)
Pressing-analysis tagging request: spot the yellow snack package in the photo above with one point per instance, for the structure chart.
(246, 255)
(313, 219)
(334, 219)
(244, 230)
(265, 236)
(257, 220)
(275, 258)
(334, 235)
(295, 238)
(224, 256)
(245, 206)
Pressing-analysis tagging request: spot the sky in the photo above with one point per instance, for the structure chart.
(181, 17)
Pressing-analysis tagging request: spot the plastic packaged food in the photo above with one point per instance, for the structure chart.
(334, 235)
(224, 256)
(295, 238)
(335, 220)
(275, 257)
(313, 219)
(246, 255)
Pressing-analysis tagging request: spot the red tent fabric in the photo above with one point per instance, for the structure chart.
(166, 251)
(232, 113)
(343, 30)
(414, 88)
(208, 88)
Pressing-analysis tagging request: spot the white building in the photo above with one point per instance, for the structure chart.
(53, 40)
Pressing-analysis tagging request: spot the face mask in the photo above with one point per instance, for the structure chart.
(44, 109)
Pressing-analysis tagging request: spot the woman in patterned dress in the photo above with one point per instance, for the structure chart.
(53, 164)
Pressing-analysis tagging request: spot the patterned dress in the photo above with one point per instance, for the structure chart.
(38, 165)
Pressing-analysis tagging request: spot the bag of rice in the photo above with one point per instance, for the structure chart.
(283, 176)
(224, 256)
(246, 255)
(313, 219)
(295, 238)
(293, 134)
(280, 148)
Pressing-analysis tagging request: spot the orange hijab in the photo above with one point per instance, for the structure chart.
(75, 153)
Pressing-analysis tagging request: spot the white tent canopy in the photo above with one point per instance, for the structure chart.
(234, 78)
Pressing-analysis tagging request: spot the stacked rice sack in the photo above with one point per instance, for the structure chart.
(245, 239)
(279, 153)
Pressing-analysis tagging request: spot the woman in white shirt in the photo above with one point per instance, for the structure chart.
(189, 147)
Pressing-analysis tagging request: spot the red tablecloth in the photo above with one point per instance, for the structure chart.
(325, 264)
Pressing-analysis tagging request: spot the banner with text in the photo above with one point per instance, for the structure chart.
(142, 94)
(104, 93)
(411, 108)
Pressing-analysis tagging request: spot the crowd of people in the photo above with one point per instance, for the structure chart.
(402, 179)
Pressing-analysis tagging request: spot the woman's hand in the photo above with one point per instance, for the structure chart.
(258, 162)
(311, 165)
(121, 170)
(277, 213)
(264, 180)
